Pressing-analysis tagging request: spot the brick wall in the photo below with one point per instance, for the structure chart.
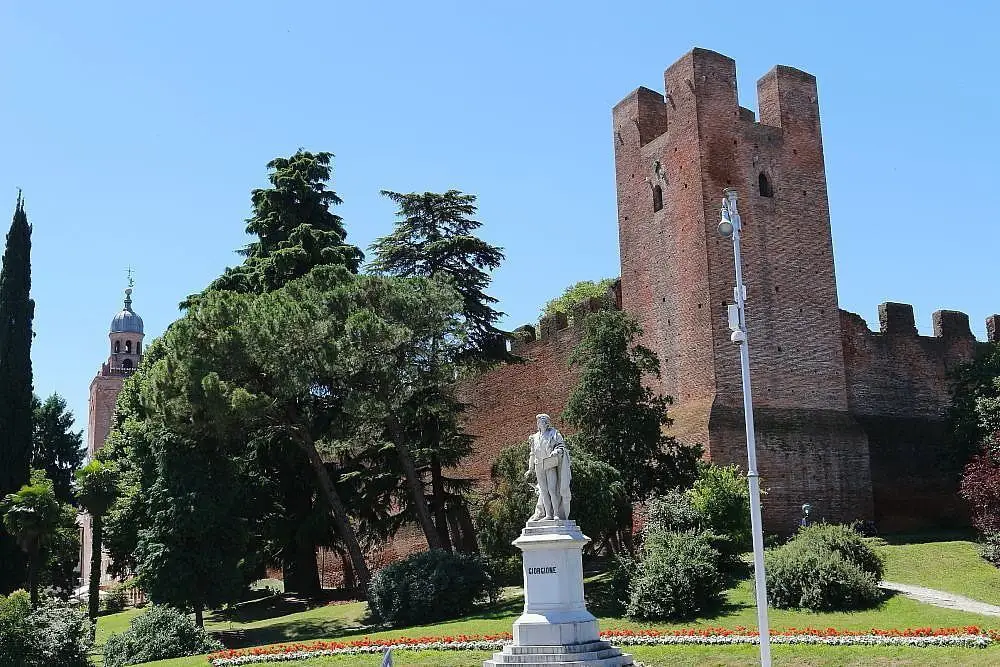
(504, 401)
(897, 385)
(692, 142)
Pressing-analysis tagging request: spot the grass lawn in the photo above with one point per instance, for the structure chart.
(265, 622)
(953, 566)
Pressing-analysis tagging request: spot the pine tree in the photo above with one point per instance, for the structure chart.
(57, 448)
(434, 237)
(294, 231)
(619, 419)
(16, 312)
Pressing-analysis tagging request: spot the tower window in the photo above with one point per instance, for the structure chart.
(138, 347)
(765, 185)
(118, 346)
(128, 347)
(657, 198)
(127, 363)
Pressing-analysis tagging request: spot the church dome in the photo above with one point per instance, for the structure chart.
(127, 321)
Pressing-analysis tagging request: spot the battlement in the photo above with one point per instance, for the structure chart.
(704, 81)
(550, 326)
(897, 320)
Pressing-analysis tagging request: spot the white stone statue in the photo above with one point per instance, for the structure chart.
(549, 461)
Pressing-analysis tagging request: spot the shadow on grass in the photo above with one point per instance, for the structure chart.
(263, 608)
(295, 630)
(289, 631)
(942, 535)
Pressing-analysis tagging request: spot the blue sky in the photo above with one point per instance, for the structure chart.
(137, 132)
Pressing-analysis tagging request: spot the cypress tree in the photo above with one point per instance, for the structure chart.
(16, 312)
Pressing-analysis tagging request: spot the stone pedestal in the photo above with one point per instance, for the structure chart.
(555, 628)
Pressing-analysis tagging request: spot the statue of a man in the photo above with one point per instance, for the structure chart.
(549, 461)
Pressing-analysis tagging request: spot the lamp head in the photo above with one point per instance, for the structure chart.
(726, 225)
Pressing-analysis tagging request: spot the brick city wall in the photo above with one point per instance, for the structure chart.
(503, 402)
(898, 389)
(675, 153)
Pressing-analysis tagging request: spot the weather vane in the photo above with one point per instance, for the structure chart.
(131, 282)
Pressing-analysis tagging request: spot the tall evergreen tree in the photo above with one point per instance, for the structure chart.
(294, 230)
(620, 420)
(56, 448)
(434, 238)
(16, 313)
(293, 227)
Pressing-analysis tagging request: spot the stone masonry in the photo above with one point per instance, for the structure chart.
(848, 420)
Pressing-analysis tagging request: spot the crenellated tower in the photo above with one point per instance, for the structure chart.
(674, 154)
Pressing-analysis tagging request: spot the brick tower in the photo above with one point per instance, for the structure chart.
(125, 339)
(674, 155)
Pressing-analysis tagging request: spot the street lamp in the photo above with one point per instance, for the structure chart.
(729, 227)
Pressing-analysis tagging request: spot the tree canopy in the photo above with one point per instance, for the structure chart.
(17, 311)
(579, 293)
(620, 419)
(56, 447)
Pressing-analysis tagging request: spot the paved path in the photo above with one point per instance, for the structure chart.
(942, 599)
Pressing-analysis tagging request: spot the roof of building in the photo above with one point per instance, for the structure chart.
(127, 321)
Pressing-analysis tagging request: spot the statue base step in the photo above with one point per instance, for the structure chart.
(589, 654)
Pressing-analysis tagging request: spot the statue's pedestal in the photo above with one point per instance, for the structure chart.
(556, 627)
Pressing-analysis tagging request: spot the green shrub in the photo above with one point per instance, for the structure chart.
(579, 293)
(843, 540)
(722, 499)
(990, 548)
(116, 599)
(673, 511)
(506, 571)
(160, 632)
(52, 634)
(678, 577)
(824, 568)
(428, 587)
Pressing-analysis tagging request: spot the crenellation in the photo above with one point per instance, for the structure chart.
(549, 324)
(849, 419)
(951, 324)
(993, 329)
(896, 318)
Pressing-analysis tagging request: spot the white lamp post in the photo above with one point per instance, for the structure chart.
(730, 227)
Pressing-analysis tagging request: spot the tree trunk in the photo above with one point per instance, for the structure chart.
(627, 540)
(298, 555)
(94, 585)
(469, 543)
(417, 491)
(438, 502)
(455, 531)
(349, 580)
(340, 518)
(298, 565)
(33, 561)
(199, 620)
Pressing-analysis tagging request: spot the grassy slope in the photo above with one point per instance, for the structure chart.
(949, 566)
(343, 621)
(952, 565)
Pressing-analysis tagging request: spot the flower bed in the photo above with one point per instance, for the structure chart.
(971, 637)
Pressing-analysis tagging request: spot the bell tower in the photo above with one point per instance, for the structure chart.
(125, 337)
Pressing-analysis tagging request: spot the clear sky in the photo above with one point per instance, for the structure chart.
(137, 132)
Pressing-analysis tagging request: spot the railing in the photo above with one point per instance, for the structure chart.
(122, 370)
